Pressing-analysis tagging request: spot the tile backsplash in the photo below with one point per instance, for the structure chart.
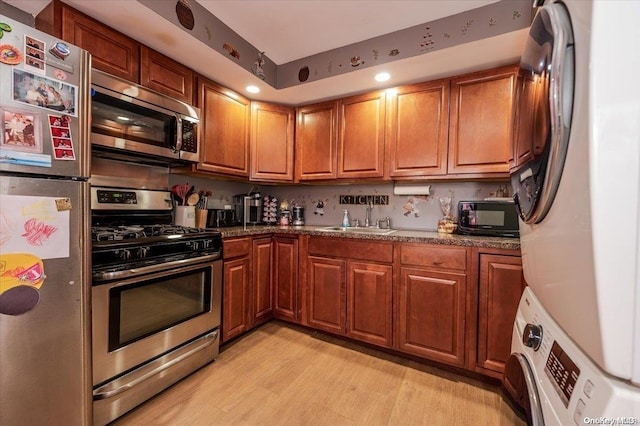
(322, 202)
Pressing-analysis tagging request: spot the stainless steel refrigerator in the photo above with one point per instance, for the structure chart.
(45, 345)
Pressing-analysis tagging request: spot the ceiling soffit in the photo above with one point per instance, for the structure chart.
(487, 21)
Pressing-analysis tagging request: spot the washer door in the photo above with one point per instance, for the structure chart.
(543, 117)
(520, 384)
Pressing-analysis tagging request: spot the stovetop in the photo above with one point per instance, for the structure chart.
(121, 233)
(132, 230)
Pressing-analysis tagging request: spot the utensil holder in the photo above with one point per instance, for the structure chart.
(185, 216)
(201, 218)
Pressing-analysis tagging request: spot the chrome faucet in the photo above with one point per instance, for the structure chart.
(367, 214)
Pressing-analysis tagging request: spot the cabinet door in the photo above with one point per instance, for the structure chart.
(271, 142)
(285, 277)
(236, 298)
(361, 136)
(165, 75)
(501, 285)
(369, 306)
(327, 294)
(418, 130)
(111, 51)
(529, 138)
(431, 317)
(225, 130)
(262, 281)
(481, 122)
(316, 149)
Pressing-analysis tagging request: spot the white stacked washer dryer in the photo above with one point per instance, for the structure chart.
(576, 339)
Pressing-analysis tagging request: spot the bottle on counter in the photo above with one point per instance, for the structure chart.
(345, 219)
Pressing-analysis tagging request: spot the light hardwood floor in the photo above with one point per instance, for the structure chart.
(284, 375)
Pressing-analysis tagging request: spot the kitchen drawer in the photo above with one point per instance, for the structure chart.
(433, 256)
(351, 249)
(236, 248)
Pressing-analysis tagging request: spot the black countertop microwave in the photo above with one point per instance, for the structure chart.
(495, 218)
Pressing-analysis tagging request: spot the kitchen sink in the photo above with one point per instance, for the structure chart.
(357, 230)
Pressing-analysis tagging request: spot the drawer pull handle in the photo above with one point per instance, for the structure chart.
(437, 263)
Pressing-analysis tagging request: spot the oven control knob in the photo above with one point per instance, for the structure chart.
(142, 252)
(123, 254)
(195, 245)
(532, 336)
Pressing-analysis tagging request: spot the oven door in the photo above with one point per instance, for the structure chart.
(138, 319)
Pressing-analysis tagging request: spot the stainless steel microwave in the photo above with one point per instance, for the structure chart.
(497, 218)
(132, 122)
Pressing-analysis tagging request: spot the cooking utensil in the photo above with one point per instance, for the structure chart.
(181, 193)
(193, 199)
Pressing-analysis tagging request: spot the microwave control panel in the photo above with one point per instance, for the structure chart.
(189, 140)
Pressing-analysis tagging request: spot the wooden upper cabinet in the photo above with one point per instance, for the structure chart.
(316, 147)
(225, 120)
(417, 134)
(271, 142)
(111, 51)
(361, 136)
(481, 122)
(165, 75)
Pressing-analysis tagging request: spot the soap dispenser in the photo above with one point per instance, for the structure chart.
(345, 219)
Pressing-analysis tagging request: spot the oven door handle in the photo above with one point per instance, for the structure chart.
(100, 393)
(104, 276)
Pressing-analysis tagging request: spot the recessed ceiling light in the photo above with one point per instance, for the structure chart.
(253, 89)
(123, 118)
(383, 76)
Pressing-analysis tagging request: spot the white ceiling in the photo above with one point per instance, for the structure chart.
(287, 30)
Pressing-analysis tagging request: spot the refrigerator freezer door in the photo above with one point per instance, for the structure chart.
(45, 348)
(44, 104)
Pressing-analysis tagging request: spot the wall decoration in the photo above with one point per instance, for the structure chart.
(303, 74)
(184, 14)
(504, 16)
(258, 66)
(411, 206)
(231, 50)
(319, 204)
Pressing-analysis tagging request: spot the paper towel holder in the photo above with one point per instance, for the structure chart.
(411, 189)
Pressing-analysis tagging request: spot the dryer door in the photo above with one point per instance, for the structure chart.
(520, 384)
(543, 118)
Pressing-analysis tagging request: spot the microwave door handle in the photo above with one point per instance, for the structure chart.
(178, 129)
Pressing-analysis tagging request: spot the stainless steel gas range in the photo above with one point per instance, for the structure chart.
(156, 298)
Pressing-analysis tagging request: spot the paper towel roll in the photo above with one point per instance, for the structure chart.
(411, 189)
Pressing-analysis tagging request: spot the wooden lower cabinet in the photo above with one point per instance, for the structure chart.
(327, 292)
(369, 303)
(262, 254)
(286, 304)
(501, 282)
(236, 298)
(247, 289)
(349, 285)
(431, 314)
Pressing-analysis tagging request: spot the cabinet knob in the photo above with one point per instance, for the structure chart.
(532, 336)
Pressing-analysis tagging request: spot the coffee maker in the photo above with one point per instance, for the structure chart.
(249, 205)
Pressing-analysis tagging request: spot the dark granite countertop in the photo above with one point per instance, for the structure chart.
(400, 235)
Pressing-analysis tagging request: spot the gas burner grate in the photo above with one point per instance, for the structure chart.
(120, 233)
